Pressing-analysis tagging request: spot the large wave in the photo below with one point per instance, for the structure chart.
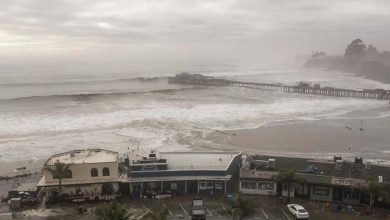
(86, 96)
(159, 115)
(81, 81)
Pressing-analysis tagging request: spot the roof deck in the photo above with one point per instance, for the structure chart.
(346, 169)
(84, 156)
(191, 164)
(194, 160)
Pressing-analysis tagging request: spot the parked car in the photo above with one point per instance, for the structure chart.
(298, 211)
(198, 212)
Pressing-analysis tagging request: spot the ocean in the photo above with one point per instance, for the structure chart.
(43, 114)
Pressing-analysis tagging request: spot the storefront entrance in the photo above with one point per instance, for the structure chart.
(192, 186)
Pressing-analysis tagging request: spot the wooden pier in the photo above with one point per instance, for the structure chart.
(303, 88)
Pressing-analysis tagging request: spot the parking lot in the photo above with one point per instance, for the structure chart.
(268, 208)
(213, 211)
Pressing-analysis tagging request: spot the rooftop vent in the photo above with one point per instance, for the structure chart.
(359, 160)
(153, 154)
(271, 163)
(339, 165)
(336, 158)
(247, 166)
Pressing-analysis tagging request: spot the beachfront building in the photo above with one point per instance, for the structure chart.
(91, 173)
(320, 180)
(178, 173)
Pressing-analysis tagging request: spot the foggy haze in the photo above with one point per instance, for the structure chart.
(176, 35)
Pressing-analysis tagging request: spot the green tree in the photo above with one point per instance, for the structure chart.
(59, 171)
(112, 211)
(355, 51)
(287, 177)
(374, 188)
(243, 207)
(107, 189)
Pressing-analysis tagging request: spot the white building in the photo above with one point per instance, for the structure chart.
(179, 173)
(90, 171)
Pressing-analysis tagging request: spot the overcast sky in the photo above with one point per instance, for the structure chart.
(115, 35)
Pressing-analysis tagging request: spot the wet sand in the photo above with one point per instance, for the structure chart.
(318, 138)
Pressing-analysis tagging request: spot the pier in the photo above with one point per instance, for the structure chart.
(301, 87)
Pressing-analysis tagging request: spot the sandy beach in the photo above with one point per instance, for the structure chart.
(316, 138)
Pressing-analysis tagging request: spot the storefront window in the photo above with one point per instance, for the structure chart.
(265, 186)
(173, 185)
(320, 190)
(218, 184)
(206, 184)
(248, 185)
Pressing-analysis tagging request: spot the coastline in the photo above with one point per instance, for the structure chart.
(322, 138)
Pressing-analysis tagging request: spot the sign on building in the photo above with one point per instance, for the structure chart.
(348, 182)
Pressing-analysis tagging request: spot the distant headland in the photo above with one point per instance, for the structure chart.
(358, 58)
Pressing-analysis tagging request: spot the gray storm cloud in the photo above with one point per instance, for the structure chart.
(121, 32)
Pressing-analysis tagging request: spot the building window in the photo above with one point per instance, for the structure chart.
(320, 190)
(94, 172)
(248, 185)
(206, 184)
(351, 193)
(218, 184)
(173, 186)
(106, 171)
(265, 186)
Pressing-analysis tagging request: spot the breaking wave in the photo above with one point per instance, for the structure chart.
(80, 81)
(86, 96)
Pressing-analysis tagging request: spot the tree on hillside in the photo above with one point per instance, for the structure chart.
(111, 211)
(59, 171)
(371, 50)
(288, 178)
(243, 207)
(355, 51)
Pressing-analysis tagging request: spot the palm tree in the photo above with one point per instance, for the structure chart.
(59, 170)
(243, 207)
(287, 177)
(112, 211)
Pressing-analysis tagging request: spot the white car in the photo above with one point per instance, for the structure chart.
(298, 211)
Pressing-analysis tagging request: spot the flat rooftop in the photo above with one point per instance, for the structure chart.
(194, 160)
(327, 167)
(84, 156)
